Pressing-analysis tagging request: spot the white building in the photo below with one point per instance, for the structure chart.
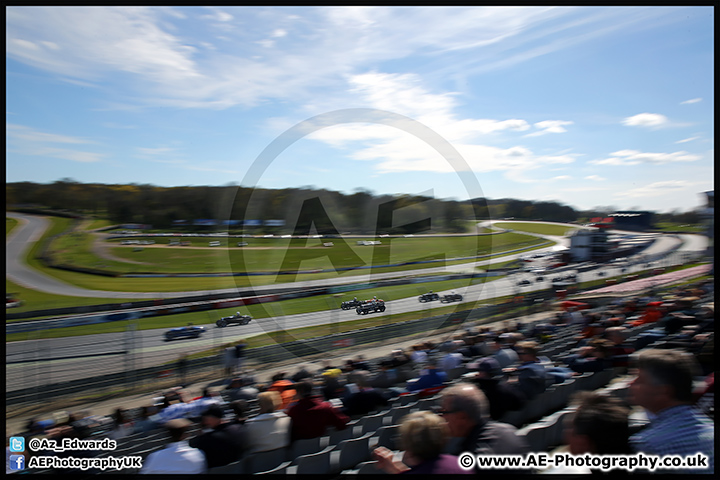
(589, 244)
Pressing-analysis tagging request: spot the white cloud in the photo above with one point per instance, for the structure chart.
(595, 178)
(652, 120)
(690, 139)
(22, 132)
(394, 150)
(28, 141)
(549, 126)
(562, 177)
(692, 100)
(635, 157)
(162, 62)
(658, 188)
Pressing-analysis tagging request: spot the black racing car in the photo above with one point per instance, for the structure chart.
(370, 306)
(428, 297)
(451, 297)
(237, 319)
(191, 331)
(350, 304)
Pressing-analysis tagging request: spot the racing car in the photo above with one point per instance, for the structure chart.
(191, 331)
(11, 300)
(428, 297)
(350, 304)
(451, 297)
(238, 318)
(370, 306)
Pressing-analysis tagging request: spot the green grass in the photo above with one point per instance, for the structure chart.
(35, 300)
(678, 227)
(540, 228)
(10, 223)
(261, 311)
(74, 248)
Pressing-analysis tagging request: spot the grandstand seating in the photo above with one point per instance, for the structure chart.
(541, 421)
(317, 463)
(352, 452)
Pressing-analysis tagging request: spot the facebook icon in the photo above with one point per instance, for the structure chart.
(17, 462)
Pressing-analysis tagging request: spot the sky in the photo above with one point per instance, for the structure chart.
(587, 106)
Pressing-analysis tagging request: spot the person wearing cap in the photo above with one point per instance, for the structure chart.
(331, 383)
(222, 442)
(177, 457)
(501, 398)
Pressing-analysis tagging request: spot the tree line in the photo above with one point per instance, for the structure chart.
(302, 210)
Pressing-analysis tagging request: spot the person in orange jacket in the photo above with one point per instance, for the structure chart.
(284, 387)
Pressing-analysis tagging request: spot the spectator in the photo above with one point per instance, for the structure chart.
(240, 409)
(430, 378)
(331, 386)
(366, 399)
(176, 406)
(182, 367)
(199, 405)
(222, 442)
(122, 425)
(500, 396)
(270, 429)
(178, 457)
(234, 390)
(240, 355)
(663, 387)
(360, 363)
(465, 409)
(453, 358)
(229, 360)
(387, 376)
(311, 415)
(591, 358)
(423, 437)
(284, 387)
(144, 424)
(530, 377)
(302, 374)
(504, 355)
(599, 425)
(621, 350)
(418, 355)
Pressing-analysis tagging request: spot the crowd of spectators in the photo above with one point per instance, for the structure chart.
(496, 370)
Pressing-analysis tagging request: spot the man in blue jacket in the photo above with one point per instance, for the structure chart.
(431, 378)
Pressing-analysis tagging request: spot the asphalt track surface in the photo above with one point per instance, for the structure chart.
(41, 362)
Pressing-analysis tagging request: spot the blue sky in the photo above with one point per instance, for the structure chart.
(585, 106)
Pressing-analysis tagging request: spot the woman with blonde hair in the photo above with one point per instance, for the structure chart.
(423, 436)
(270, 429)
